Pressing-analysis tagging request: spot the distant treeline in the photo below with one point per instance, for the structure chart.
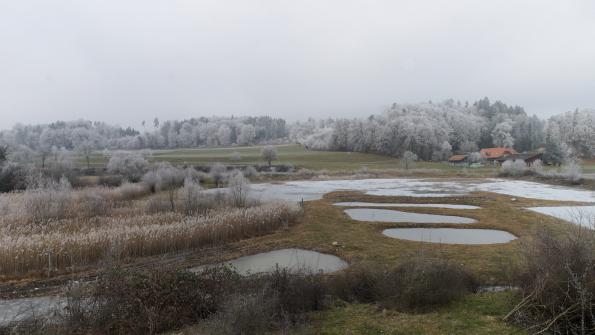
(433, 131)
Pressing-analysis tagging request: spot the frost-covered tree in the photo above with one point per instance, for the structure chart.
(85, 142)
(577, 130)
(218, 173)
(238, 188)
(408, 160)
(247, 135)
(268, 154)
(553, 152)
(131, 165)
(502, 134)
(474, 157)
(3, 154)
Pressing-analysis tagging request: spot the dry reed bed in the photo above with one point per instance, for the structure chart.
(86, 241)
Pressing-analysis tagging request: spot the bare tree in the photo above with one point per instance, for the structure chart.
(235, 156)
(408, 160)
(130, 165)
(218, 172)
(268, 154)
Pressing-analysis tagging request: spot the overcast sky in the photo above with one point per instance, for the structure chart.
(122, 61)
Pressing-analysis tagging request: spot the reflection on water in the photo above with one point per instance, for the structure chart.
(451, 235)
(386, 215)
(292, 259)
(384, 204)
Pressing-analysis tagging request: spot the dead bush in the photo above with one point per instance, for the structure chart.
(357, 284)
(423, 283)
(135, 302)
(245, 314)
(558, 284)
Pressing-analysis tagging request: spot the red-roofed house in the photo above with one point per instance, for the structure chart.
(495, 154)
(458, 159)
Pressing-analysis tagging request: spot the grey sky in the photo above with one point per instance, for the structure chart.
(122, 61)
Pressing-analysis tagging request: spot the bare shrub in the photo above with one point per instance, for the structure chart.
(13, 177)
(238, 188)
(558, 283)
(47, 199)
(130, 191)
(90, 203)
(572, 172)
(250, 171)
(131, 165)
(146, 302)
(423, 283)
(157, 203)
(305, 172)
(253, 313)
(110, 180)
(513, 168)
(357, 284)
(218, 173)
(190, 196)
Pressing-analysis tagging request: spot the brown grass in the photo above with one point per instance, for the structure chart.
(95, 227)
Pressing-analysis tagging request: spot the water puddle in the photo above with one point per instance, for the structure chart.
(386, 215)
(292, 259)
(381, 204)
(451, 235)
(580, 215)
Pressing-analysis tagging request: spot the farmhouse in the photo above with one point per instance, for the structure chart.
(495, 155)
(458, 159)
(528, 157)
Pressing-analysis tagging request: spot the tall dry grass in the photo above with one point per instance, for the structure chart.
(72, 242)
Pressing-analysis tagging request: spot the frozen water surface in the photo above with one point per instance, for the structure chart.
(14, 310)
(451, 235)
(313, 190)
(581, 215)
(292, 259)
(386, 215)
(383, 204)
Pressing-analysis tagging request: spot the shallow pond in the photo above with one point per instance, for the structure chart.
(292, 259)
(580, 215)
(386, 215)
(451, 235)
(381, 204)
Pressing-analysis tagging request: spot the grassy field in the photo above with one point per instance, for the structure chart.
(295, 155)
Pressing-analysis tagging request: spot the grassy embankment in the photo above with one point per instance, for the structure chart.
(363, 243)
